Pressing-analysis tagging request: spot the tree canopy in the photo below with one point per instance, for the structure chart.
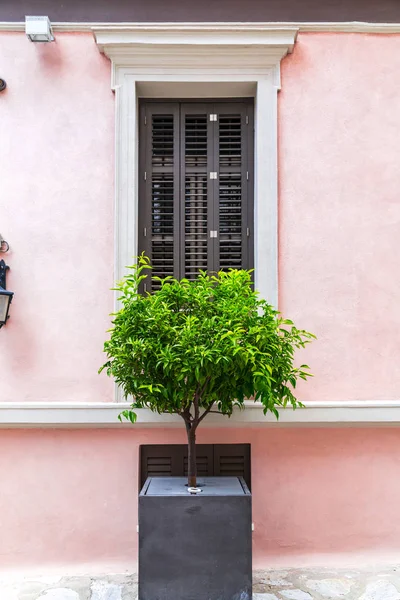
(203, 345)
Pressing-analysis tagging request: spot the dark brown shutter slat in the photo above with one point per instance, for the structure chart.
(160, 460)
(189, 221)
(162, 151)
(163, 231)
(218, 459)
(230, 222)
(233, 460)
(204, 460)
(230, 141)
(232, 187)
(159, 187)
(195, 166)
(162, 224)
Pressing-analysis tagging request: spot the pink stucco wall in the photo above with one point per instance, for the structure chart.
(338, 213)
(57, 186)
(339, 219)
(69, 497)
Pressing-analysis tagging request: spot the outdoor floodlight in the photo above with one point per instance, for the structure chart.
(5, 296)
(38, 29)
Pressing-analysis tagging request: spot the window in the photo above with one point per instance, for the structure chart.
(212, 460)
(196, 186)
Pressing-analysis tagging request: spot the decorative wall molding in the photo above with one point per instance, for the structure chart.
(316, 27)
(223, 58)
(239, 36)
(153, 51)
(105, 415)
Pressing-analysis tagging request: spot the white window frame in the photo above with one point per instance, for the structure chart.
(213, 60)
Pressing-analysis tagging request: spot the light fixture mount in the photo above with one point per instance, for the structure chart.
(5, 296)
(38, 29)
(3, 270)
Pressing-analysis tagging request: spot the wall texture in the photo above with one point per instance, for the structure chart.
(57, 187)
(339, 211)
(69, 497)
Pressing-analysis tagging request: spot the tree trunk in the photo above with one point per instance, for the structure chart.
(192, 467)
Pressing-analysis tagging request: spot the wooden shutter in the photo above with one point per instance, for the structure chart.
(204, 460)
(196, 186)
(234, 201)
(159, 189)
(218, 459)
(171, 460)
(197, 203)
(233, 459)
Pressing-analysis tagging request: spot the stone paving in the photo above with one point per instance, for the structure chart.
(328, 584)
(374, 583)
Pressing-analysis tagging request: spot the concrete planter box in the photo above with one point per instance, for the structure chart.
(195, 547)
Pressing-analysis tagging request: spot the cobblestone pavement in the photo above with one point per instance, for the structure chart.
(285, 584)
(328, 584)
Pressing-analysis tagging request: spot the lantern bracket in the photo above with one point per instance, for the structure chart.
(3, 270)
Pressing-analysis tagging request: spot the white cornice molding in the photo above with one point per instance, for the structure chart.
(148, 61)
(212, 34)
(105, 415)
(316, 27)
(214, 48)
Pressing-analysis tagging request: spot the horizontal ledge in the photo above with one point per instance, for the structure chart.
(334, 26)
(179, 39)
(87, 414)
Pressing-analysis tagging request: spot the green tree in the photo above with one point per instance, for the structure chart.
(195, 347)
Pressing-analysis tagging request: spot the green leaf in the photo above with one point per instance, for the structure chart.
(129, 415)
(209, 341)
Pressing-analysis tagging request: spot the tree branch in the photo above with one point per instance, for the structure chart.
(196, 407)
(196, 400)
(207, 381)
(206, 412)
(186, 416)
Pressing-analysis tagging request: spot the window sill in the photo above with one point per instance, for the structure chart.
(95, 415)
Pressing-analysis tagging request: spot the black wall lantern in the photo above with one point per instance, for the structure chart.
(5, 296)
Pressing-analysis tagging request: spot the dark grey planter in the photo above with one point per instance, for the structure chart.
(195, 547)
